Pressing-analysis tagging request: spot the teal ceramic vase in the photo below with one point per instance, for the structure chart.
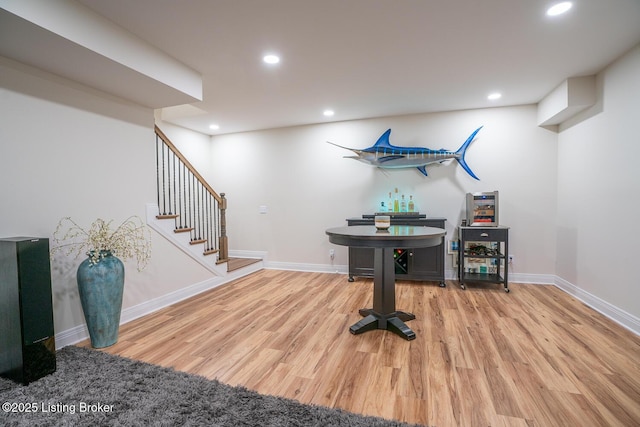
(101, 286)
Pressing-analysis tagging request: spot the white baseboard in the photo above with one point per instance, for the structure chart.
(235, 253)
(534, 279)
(312, 268)
(619, 316)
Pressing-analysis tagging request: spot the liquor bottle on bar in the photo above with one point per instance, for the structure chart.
(412, 206)
(390, 203)
(396, 202)
(403, 204)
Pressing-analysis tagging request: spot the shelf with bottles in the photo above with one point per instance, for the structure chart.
(478, 250)
(397, 203)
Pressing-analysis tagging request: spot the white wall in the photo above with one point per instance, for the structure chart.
(599, 191)
(308, 186)
(67, 150)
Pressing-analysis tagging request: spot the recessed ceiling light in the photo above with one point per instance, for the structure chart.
(559, 8)
(271, 59)
(494, 96)
(214, 127)
(328, 113)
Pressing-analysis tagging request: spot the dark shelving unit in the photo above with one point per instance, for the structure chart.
(473, 245)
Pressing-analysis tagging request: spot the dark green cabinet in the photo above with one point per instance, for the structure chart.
(420, 264)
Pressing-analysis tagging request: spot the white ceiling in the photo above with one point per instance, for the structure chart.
(371, 58)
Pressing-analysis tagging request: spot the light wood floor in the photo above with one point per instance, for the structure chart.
(533, 357)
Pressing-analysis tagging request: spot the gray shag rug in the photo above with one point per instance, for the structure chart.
(91, 388)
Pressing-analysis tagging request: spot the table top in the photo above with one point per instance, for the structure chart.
(397, 236)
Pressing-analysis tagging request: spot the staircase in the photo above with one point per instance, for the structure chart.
(190, 214)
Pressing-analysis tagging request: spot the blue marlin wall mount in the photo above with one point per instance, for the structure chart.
(386, 156)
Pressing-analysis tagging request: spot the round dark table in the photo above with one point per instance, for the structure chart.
(384, 315)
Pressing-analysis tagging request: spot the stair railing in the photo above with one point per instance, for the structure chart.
(184, 195)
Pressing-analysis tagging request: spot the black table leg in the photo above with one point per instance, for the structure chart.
(369, 323)
(397, 326)
(393, 322)
(383, 315)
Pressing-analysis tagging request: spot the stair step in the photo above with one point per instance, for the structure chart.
(182, 230)
(236, 263)
(167, 216)
(211, 252)
(197, 241)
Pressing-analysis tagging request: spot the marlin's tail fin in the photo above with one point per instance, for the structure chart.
(462, 151)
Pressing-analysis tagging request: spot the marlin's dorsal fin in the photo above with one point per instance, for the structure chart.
(383, 141)
(423, 170)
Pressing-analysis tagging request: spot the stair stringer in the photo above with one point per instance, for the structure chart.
(166, 227)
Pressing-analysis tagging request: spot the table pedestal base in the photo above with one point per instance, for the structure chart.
(384, 315)
(393, 322)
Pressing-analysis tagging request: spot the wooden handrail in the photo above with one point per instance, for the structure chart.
(187, 164)
(194, 209)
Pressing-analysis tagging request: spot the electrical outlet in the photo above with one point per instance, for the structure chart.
(511, 258)
(332, 253)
